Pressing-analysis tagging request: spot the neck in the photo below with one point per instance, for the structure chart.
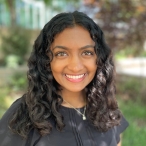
(75, 99)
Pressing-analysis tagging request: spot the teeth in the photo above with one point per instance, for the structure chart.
(74, 77)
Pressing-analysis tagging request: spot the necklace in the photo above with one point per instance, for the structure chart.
(83, 115)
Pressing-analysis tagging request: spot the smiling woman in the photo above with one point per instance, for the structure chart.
(71, 93)
(74, 62)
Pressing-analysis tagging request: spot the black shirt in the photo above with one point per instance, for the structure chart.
(77, 132)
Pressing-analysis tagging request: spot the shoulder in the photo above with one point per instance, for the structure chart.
(120, 128)
(10, 111)
(7, 138)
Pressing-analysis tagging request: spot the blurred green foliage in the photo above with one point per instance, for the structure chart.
(14, 89)
(49, 2)
(131, 98)
(132, 88)
(15, 46)
(135, 113)
(18, 82)
(143, 53)
(127, 52)
(4, 101)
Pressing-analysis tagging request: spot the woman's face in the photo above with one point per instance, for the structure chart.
(74, 59)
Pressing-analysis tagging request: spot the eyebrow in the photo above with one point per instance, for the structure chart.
(66, 48)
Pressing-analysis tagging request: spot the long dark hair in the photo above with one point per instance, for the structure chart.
(41, 101)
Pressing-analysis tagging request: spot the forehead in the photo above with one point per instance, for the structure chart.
(73, 36)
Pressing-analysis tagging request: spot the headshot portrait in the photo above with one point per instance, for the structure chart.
(71, 93)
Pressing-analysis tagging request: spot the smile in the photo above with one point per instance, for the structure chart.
(75, 78)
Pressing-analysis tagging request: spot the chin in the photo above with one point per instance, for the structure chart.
(75, 90)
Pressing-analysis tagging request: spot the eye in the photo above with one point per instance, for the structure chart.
(60, 54)
(88, 53)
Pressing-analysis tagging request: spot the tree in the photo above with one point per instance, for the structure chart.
(124, 23)
(10, 4)
(58, 8)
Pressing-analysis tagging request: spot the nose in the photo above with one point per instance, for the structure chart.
(75, 64)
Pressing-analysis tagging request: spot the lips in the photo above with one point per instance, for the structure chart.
(75, 78)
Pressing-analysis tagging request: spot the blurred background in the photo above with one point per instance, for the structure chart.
(124, 26)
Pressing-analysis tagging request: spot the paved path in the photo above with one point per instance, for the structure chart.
(132, 66)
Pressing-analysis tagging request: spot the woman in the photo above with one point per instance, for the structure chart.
(70, 98)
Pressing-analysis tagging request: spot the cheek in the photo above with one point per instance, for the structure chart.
(92, 65)
(55, 71)
(53, 63)
(53, 67)
(56, 67)
(93, 69)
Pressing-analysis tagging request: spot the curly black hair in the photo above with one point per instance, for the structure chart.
(41, 101)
